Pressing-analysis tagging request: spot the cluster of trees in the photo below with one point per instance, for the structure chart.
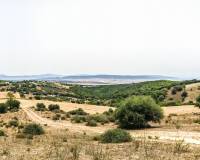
(111, 95)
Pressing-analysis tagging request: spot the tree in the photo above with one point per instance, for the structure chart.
(53, 107)
(40, 107)
(137, 111)
(13, 105)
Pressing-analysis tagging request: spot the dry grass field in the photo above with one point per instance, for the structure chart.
(193, 91)
(176, 137)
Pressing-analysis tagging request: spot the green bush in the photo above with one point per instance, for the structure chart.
(184, 94)
(3, 108)
(2, 133)
(40, 107)
(91, 123)
(53, 107)
(13, 105)
(115, 136)
(56, 117)
(33, 129)
(137, 111)
(170, 103)
(79, 111)
(100, 118)
(78, 119)
(13, 123)
(198, 101)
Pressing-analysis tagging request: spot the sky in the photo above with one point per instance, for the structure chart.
(134, 37)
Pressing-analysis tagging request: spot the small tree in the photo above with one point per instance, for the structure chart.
(184, 94)
(13, 105)
(137, 111)
(40, 107)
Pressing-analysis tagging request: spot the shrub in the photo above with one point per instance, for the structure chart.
(13, 123)
(3, 108)
(184, 94)
(40, 107)
(33, 129)
(79, 111)
(78, 119)
(56, 117)
(38, 97)
(161, 98)
(171, 103)
(137, 111)
(91, 123)
(13, 105)
(53, 107)
(115, 136)
(2, 133)
(101, 118)
(198, 101)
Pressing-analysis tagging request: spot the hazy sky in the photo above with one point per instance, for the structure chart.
(100, 36)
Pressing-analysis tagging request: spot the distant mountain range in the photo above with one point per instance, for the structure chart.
(89, 79)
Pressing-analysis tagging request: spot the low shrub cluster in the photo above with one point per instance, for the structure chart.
(54, 107)
(115, 136)
(10, 105)
(80, 116)
(33, 129)
(40, 107)
(78, 111)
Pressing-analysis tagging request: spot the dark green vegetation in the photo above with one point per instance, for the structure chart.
(10, 105)
(198, 101)
(137, 111)
(33, 129)
(109, 95)
(115, 136)
(80, 116)
(40, 107)
(54, 107)
(112, 95)
(2, 133)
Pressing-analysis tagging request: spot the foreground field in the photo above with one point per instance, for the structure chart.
(176, 137)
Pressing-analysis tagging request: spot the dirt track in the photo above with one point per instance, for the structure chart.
(188, 137)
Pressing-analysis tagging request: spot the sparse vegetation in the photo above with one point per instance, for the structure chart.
(115, 136)
(78, 111)
(33, 129)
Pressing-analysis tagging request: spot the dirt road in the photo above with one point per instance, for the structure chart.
(188, 137)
